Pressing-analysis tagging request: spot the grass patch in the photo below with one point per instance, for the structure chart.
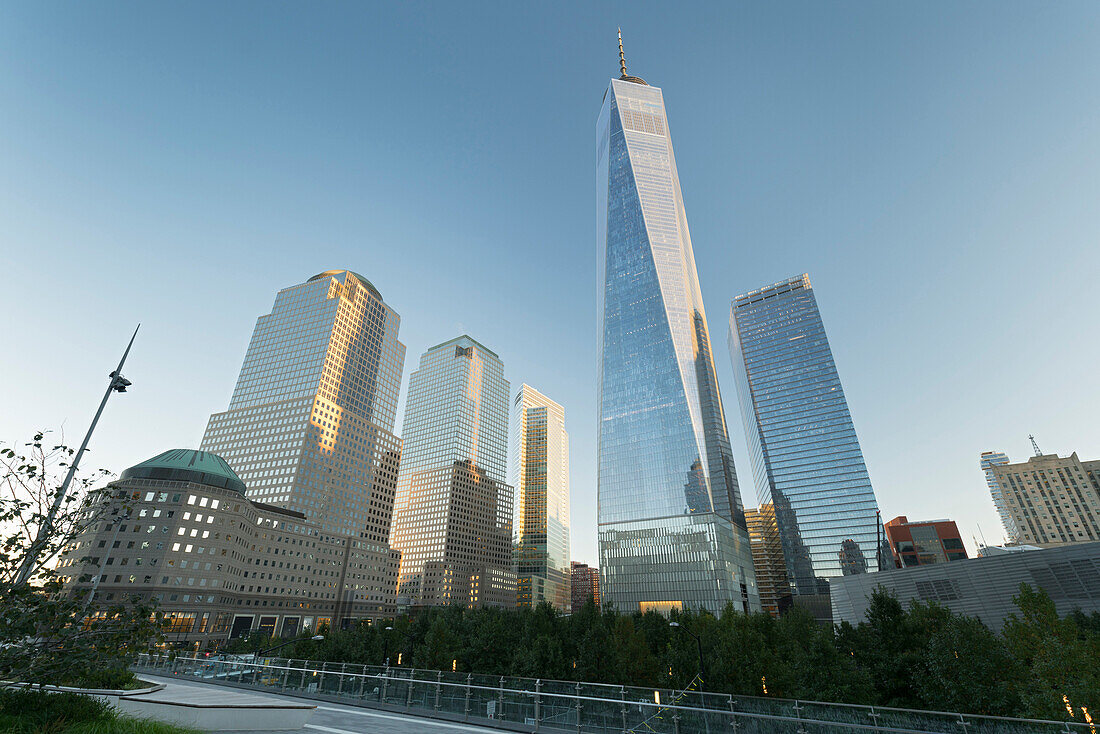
(39, 712)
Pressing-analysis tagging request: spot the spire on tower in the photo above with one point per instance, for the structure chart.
(622, 56)
(1034, 445)
(622, 65)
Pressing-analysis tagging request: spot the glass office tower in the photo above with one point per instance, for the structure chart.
(453, 512)
(540, 474)
(988, 460)
(805, 455)
(671, 525)
(310, 424)
(309, 428)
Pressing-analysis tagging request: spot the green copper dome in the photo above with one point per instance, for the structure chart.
(187, 465)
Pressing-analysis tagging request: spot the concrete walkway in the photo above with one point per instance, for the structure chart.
(329, 718)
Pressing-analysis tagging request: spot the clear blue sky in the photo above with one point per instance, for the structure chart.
(932, 166)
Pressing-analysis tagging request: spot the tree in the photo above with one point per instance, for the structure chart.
(964, 665)
(1063, 665)
(47, 636)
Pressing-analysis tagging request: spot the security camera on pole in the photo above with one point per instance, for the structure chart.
(118, 383)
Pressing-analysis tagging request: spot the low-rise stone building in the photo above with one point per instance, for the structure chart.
(178, 530)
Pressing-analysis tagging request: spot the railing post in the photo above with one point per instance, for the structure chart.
(874, 716)
(255, 673)
(340, 688)
(578, 706)
(622, 697)
(321, 677)
(676, 722)
(500, 700)
(286, 674)
(965, 726)
(538, 702)
(362, 683)
(385, 686)
(469, 678)
(409, 697)
(438, 687)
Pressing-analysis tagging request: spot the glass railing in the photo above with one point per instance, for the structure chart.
(596, 708)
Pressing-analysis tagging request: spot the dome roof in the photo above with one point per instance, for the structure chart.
(360, 278)
(187, 465)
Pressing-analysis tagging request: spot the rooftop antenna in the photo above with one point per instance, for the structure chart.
(622, 56)
(1034, 446)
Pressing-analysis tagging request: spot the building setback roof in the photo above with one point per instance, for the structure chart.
(187, 465)
(369, 286)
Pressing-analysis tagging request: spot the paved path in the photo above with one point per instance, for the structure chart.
(333, 718)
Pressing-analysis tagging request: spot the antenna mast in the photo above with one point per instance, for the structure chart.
(1034, 446)
(622, 56)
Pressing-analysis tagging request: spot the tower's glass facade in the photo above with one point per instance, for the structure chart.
(988, 460)
(310, 424)
(310, 428)
(805, 455)
(540, 474)
(453, 512)
(671, 524)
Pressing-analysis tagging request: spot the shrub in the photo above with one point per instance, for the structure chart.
(107, 678)
(36, 709)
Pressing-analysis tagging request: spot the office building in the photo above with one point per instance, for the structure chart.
(178, 530)
(1052, 500)
(310, 425)
(671, 525)
(805, 456)
(981, 587)
(539, 454)
(453, 512)
(767, 558)
(921, 543)
(585, 585)
(988, 460)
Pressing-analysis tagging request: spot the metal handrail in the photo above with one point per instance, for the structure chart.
(384, 679)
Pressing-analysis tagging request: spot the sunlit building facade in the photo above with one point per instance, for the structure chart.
(310, 424)
(453, 512)
(988, 460)
(1052, 500)
(805, 456)
(767, 558)
(539, 451)
(671, 525)
(177, 530)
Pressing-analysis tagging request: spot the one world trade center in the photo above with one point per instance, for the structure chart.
(672, 528)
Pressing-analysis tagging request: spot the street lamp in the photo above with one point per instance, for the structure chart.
(698, 642)
(386, 650)
(315, 638)
(118, 383)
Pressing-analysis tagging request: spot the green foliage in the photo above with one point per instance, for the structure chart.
(1062, 659)
(38, 712)
(46, 635)
(920, 657)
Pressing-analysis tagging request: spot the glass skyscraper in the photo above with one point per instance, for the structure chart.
(988, 460)
(453, 512)
(540, 474)
(671, 525)
(310, 423)
(805, 456)
(309, 428)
